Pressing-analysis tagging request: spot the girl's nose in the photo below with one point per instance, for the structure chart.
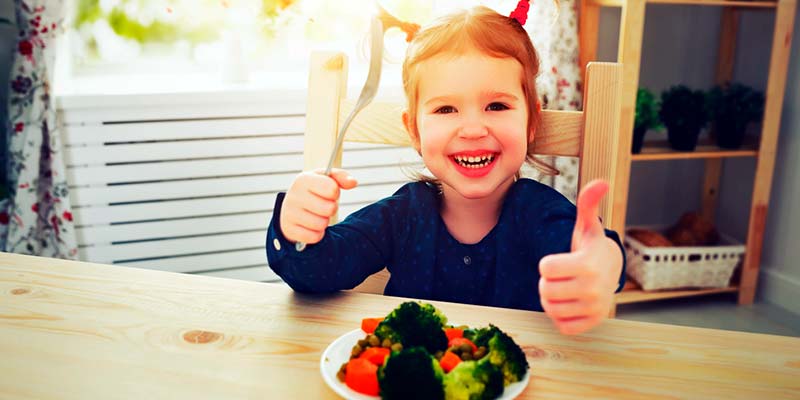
(472, 128)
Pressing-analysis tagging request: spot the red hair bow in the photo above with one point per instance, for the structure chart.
(521, 12)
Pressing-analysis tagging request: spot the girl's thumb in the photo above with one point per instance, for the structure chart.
(344, 179)
(587, 222)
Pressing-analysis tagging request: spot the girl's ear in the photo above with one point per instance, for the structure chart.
(412, 132)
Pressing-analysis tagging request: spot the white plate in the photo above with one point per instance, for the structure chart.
(338, 353)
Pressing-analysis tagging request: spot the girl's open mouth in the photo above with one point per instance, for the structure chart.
(474, 165)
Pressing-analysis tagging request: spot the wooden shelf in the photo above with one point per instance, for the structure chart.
(660, 150)
(632, 293)
(721, 3)
(629, 52)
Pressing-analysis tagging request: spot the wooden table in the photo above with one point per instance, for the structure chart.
(75, 330)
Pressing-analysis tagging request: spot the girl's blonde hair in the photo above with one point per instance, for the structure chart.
(489, 32)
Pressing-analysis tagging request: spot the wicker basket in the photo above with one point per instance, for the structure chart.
(655, 268)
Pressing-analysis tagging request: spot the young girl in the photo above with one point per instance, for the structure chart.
(476, 233)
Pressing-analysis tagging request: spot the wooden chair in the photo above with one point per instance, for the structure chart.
(590, 135)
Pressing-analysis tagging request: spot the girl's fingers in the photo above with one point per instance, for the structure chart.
(559, 291)
(319, 206)
(297, 233)
(568, 310)
(578, 325)
(344, 179)
(322, 185)
(310, 221)
(310, 202)
(561, 266)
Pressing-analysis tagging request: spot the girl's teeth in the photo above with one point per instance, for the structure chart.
(474, 162)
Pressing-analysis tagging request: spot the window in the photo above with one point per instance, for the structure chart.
(235, 40)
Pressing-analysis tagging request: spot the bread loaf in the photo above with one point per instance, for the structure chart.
(649, 237)
(693, 230)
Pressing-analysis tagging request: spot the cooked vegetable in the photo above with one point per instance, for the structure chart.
(463, 343)
(373, 340)
(414, 324)
(473, 380)
(503, 352)
(396, 360)
(356, 351)
(362, 376)
(411, 374)
(449, 361)
(453, 333)
(368, 325)
(375, 355)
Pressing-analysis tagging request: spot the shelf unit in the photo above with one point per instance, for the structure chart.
(633, 294)
(629, 54)
(660, 150)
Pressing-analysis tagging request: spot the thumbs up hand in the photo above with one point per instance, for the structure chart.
(577, 288)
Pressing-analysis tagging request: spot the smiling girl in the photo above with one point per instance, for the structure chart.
(476, 232)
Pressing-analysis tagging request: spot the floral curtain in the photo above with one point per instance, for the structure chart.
(36, 217)
(554, 31)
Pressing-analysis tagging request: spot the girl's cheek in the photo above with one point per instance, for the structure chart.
(433, 131)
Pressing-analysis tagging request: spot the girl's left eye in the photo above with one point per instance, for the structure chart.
(445, 110)
(497, 107)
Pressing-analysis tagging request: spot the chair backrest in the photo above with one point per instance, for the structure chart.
(590, 134)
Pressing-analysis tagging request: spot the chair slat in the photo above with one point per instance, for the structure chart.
(381, 122)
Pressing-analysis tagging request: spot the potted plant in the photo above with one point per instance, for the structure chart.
(646, 117)
(684, 114)
(731, 108)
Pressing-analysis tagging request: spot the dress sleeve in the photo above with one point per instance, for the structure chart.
(351, 250)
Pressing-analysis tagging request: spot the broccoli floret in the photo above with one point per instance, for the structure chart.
(480, 336)
(414, 324)
(473, 380)
(503, 352)
(411, 374)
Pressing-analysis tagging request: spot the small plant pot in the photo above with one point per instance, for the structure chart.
(683, 138)
(638, 139)
(729, 133)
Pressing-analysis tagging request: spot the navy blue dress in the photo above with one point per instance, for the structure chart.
(406, 234)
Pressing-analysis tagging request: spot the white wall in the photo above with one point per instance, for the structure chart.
(680, 45)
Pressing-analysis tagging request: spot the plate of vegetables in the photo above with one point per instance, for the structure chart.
(414, 353)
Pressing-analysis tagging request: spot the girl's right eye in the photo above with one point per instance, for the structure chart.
(445, 110)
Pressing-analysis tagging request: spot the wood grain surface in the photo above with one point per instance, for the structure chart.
(75, 330)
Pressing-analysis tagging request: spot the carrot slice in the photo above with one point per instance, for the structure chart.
(362, 376)
(455, 342)
(452, 333)
(368, 325)
(375, 355)
(449, 361)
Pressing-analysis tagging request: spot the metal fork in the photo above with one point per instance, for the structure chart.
(366, 96)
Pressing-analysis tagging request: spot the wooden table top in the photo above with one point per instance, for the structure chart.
(76, 330)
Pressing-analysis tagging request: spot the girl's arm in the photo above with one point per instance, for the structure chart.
(348, 253)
